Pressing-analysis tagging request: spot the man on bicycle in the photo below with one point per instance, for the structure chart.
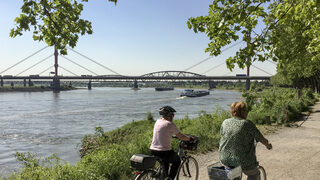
(163, 131)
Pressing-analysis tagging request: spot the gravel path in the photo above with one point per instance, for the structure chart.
(295, 154)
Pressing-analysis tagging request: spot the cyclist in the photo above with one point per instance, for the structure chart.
(163, 131)
(237, 143)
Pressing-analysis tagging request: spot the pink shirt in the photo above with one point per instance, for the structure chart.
(162, 134)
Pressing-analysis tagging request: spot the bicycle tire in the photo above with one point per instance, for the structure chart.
(263, 174)
(146, 175)
(189, 169)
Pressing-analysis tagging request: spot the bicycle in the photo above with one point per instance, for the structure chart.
(263, 174)
(152, 167)
(220, 171)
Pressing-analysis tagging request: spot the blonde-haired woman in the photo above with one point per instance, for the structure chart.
(237, 143)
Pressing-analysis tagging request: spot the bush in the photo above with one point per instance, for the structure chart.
(149, 117)
(282, 105)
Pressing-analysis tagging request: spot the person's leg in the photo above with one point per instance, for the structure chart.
(175, 160)
(253, 174)
(169, 157)
(164, 156)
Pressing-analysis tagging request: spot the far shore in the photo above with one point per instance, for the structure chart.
(66, 88)
(30, 89)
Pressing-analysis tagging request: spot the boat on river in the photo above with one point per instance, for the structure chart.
(164, 88)
(193, 93)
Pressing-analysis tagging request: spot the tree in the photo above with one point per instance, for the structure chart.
(291, 36)
(227, 21)
(56, 22)
(294, 41)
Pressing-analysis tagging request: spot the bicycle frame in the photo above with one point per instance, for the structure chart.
(184, 158)
(160, 172)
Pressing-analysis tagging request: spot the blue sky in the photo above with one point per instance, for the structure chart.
(131, 38)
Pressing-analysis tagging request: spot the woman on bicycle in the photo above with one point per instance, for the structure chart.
(237, 143)
(163, 131)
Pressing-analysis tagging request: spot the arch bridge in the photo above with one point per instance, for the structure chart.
(172, 74)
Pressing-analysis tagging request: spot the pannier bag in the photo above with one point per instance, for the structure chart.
(190, 145)
(217, 171)
(142, 161)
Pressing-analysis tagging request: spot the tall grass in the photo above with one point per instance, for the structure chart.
(280, 105)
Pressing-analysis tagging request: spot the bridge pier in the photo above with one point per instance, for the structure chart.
(135, 84)
(1, 82)
(24, 82)
(89, 85)
(212, 85)
(30, 83)
(56, 84)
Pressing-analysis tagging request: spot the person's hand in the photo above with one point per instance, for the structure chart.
(269, 146)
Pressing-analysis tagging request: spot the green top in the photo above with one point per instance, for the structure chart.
(237, 146)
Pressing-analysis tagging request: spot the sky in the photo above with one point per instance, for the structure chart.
(131, 38)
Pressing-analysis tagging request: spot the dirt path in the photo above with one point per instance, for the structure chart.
(295, 154)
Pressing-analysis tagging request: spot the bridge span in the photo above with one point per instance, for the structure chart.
(141, 78)
(169, 76)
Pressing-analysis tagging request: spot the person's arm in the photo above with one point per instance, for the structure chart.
(183, 137)
(265, 142)
(258, 136)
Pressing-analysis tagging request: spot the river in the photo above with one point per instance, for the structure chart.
(45, 123)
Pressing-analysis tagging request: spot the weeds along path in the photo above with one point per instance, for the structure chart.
(295, 154)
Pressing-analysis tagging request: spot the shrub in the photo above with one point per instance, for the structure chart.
(149, 117)
(282, 105)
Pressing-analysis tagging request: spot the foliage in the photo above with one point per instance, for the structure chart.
(251, 99)
(291, 36)
(281, 105)
(28, 160)
(223, 24)
(293, 41)
(206, 127)
(56, 22)
(149, 117)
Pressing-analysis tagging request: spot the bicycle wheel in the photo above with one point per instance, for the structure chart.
(146, 175)
(263, 174)
(189, 169)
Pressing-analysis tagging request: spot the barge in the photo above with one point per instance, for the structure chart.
(193, 93)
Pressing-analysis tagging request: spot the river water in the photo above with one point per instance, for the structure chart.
(45, 123)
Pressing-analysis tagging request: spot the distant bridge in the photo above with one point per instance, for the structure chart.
(173, 76)
(160, 75)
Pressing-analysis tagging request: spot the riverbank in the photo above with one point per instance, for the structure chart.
(24, 89)
(32, 89)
